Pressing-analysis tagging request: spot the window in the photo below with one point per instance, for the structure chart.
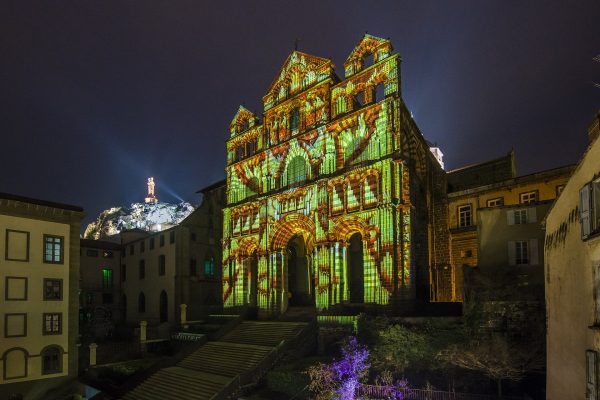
(466, 253)
(15, 288)
(51, 360)
(91, 253)
(497, 202)
(464, 216)
(17, 245)
(89, 298)
(142, 246)
(251, 187)
(141, 303)
(589, 209)
(123, 272)
(107, 254)
(15, 325)
(53, 289)
(520, 217)
(193, 236)
(161, 265)
(172, 237)
(107, 279)
(209, 267)
(53, 249)
(296, 170)
(142, 271)
(52, 323)
(528, 197)
(193, 267)
(162, 240)
(523, 252)
(295, 119)
(151, 243)
(15, 363)
(239, 153)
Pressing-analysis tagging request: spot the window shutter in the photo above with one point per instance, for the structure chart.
(591, 377)
(510, 214)
(595, 206)
(533, 252)
(531, 215)
(512, 256)
(584, 210)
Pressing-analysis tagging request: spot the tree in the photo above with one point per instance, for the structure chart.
(495, 357)
(399, 347)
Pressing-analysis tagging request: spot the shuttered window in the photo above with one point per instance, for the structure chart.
(591, 358)
(523, 252)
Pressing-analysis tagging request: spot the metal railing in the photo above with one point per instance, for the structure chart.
(384, 392)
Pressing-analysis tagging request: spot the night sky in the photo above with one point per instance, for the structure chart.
(95, 96)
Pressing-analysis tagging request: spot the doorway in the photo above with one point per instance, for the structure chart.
(356, 273)
(298, 275)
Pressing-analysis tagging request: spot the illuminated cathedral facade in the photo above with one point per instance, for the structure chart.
(333, 197)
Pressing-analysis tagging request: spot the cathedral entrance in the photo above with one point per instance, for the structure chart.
(298, 273)
(356, 272)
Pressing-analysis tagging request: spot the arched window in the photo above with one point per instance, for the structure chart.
(296, 171)
(209, 267)
(51, 360)
(15, 363)
(141, 303)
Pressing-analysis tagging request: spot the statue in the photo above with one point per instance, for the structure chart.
(151, 198)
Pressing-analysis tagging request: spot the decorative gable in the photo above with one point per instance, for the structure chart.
(299, 71)
(369, 45)
(243, 120)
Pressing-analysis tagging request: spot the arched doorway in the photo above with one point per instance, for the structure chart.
(298, 273)
(164, 307)
(356, 274)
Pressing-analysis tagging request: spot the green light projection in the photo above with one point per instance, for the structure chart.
(320, 167)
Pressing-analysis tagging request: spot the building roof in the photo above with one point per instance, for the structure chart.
(481, 174)
(534, 177)
(213, 186)
(46, 203)
(99, 244)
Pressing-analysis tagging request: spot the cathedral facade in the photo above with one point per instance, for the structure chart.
(333, 197)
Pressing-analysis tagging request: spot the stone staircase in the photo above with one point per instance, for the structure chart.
(218, 369)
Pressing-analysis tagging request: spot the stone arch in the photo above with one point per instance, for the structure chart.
(247, 246)
(18, 363)
(344, 228)
(291, 225)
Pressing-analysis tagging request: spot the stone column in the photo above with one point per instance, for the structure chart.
(183, 314)
(93, 347)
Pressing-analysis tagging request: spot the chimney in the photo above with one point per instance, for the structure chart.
(594, 129)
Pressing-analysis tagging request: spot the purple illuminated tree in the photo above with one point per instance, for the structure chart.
(342, 379)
